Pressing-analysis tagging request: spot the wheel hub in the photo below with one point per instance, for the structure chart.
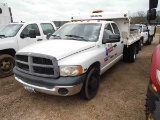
(92, 84)
(6, 66)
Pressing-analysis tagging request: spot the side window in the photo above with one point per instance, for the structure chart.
(31, 27)
(47, 28)
(144, 29)
(0, 11)
(115, 28)
(107, 31)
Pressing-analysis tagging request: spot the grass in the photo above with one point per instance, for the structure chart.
(158, 30)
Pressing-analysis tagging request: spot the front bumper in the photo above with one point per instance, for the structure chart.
(62, 86)
(153, 101)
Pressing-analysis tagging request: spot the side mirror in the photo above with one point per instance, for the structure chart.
(48, 36)
(112, 39)
(22, 35)
(151, 14)
(32, 34)
(147, 30)
(153, 3)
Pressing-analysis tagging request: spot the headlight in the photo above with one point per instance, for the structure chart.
(158, 76)
(70, 70)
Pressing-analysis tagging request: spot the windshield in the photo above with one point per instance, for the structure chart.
(78, 31)
(10, 30)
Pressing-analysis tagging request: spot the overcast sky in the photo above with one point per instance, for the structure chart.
(29, 10)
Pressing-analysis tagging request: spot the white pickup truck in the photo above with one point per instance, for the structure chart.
(15, 36)
(147, 33)
(77, 54)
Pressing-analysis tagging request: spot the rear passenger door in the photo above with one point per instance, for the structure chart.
(47, 28)
(24, 40)
(145, 33)
(117, 45)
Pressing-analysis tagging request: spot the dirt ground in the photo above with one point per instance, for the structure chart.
(121, 96)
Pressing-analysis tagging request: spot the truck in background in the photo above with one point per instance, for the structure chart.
(5, 15)
(77, 54)
(147, 33)
(15, 36)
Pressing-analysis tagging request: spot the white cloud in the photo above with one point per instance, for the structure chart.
(27, 10)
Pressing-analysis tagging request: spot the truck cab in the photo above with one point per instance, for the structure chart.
(144, 33)
(147, 33)
(16, 36)
(5, 15)
(75, 56)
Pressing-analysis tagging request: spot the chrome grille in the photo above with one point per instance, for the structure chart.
(44, 61)
(36, 64)
(23, 66)
(42, 70)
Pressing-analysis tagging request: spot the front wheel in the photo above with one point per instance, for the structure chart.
(91, 84)
(6, 65)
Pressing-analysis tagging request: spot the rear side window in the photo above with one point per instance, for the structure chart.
(144, 29)
(0, 11)
(115, 28)
(47, 28)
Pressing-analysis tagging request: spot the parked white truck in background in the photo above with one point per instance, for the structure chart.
(147, 33)
(15, 36)
(5, 15)
(77, 54)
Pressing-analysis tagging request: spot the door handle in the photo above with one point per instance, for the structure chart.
(39, 39)
(115, 45)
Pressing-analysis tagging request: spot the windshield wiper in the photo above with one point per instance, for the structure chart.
(2, 36)
(77, 37)
(56, 37)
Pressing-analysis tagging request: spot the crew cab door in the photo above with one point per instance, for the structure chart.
(24, 38)
(117, 45)
(144, 33)
(109, 49)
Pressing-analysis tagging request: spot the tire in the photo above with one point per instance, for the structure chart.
(125, 54)
(140, 45)
(152, 112)
(150, 39)
(132, 53)
(6, 65)
(91, 84)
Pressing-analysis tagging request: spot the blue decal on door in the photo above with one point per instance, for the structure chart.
(106, 52)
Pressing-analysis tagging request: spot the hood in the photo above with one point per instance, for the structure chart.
(4, 40)
(58, 48)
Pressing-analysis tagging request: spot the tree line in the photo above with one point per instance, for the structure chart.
(141, 17)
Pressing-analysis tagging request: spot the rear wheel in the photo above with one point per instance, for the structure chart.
(6, 65)
(125, 54)
(140, 45)
(91, 84)
(150, 39)
(132, 53)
